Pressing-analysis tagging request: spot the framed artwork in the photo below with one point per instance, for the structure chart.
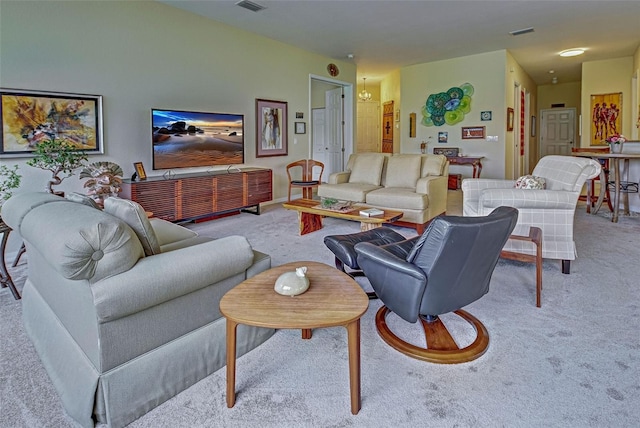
(606, 117)
(443, 136)
(30, 117)
(301, 128)
(412, 125)
(509, 119)
(271, 128)
(447, 151)
(473, 132)
(142, 175)
(485, 115)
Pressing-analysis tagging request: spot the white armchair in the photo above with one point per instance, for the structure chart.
(551, 209)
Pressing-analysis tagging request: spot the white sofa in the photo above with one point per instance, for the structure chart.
(124, 312)
(551, 209)
(412, 183)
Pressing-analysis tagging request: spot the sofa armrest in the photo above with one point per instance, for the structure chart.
(339, 177)
(530, 199)
(436, 188)
(162, 277)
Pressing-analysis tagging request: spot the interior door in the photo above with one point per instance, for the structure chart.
(334, 132)
(318, 139)
(557, 131)
(387, 127)
(368, 127)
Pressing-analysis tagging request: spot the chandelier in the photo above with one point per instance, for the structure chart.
(364, 95)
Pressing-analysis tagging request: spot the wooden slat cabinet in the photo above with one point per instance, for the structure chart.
(191, 196)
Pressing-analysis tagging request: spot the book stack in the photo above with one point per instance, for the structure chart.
(371, 212)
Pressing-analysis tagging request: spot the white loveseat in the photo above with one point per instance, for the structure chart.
(412, 183)
(551, 209)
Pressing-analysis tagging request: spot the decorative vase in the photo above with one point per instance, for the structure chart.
(292, 283)
(615, 148)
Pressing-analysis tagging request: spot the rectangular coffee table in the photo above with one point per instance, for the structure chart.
(310, 217)
(333, 299)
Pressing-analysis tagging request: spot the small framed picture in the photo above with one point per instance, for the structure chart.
(509, 119)
(472, 132)
(301, 128)
(140, 170)
(443, 137)
(299, 115)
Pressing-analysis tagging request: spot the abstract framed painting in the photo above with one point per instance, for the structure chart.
(30, 117)
(271, 128)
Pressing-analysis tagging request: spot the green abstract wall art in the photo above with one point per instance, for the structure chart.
(447, 107)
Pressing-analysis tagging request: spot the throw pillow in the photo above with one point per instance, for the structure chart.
(82, 199)
(530, 182)
(134, 215)
(367, 169)
(403, 171)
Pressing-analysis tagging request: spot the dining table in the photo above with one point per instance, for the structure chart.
(620, 187)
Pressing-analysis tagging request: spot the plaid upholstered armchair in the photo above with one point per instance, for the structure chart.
(551, 209)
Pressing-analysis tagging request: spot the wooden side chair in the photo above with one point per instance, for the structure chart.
(592, 197)
(306, 179)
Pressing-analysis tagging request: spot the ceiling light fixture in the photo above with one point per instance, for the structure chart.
(572, 52)
(364, 95)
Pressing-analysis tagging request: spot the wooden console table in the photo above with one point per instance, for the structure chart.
(474, 161)
(197, 195)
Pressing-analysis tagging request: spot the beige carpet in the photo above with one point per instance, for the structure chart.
(572, 363)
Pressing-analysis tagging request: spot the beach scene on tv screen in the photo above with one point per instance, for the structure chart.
(190, 139)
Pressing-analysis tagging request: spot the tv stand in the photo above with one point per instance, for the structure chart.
(197, 195)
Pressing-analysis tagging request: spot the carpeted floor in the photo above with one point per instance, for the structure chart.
(575, 362)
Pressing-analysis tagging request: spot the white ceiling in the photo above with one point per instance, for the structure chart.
(386, 35)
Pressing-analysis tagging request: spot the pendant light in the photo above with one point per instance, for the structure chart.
(364, 95)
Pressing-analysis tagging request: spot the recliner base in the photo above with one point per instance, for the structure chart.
(441, 347)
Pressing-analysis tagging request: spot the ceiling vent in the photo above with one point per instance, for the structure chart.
(249, 5)
(520, 32)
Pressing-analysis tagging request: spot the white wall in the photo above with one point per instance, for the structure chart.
(486, 72)
(144, 54)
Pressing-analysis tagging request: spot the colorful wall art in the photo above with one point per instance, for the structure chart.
(447, 107)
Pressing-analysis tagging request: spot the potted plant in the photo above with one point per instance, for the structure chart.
(104, 180)
(59, 157)
(9, 180)
(615, 142)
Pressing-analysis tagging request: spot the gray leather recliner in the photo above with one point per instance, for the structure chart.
(447, 268)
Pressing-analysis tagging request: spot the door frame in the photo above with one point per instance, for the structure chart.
(348, 114)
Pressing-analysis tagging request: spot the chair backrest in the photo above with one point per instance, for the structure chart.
(566, 173)
(458, 256)
(307, 166)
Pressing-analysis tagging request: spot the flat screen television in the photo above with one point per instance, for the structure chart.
(187, 139)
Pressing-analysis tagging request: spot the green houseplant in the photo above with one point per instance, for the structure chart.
(59, 157)
(9, 180)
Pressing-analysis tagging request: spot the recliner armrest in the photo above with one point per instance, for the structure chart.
(398, 283)
(526, 198)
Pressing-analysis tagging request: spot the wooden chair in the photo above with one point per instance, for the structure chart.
(306, 180)
(591, 194)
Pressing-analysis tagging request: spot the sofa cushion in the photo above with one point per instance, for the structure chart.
(432, 165)
(354, 192)
(134, 215)
(398, 198)
(367, 169)
(402, 171)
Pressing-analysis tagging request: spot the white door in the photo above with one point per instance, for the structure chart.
(557, 131)
(368, 127)
(318, 140)
(334, 132)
